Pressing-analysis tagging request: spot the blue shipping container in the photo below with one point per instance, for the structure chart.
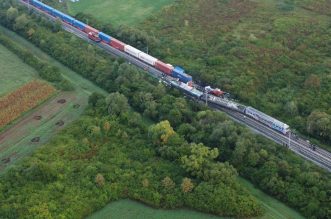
(48, 9)
(68, 18)
(104, 37)
(37, 3)
(79, 25)
(179, 73)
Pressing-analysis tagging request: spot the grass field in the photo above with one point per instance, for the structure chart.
(15, 141)
(134, 210)
(118, 12)
(13, 72)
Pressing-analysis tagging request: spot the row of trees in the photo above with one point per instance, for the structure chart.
(276, 170)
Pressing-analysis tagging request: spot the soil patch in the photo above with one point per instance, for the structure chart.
(60, 123)
(62, 101)
(37, 117)
(35, 139)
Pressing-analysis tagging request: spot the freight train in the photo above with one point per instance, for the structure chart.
(175, 75)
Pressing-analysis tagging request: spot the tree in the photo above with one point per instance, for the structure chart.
(117, 103)
(199, 157)
(145, 183)
(168, 183)
(313, 81)
(100, 180)
(161, 132)
(94, 98)
(21, 22)
(12, 14)
(187, 185)
(40, 211)
(319, 123)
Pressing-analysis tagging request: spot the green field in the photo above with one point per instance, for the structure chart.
(13, 71)
(131, 209)
(118, 12)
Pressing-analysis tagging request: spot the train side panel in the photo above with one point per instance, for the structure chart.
(147, 58)
(179, 73)
(79, 25)
(132, 51)
(166, 68)
(117, 44)
(105, 37)
(89, 29)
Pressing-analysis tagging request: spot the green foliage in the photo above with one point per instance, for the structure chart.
(268, 54)
(117, 103)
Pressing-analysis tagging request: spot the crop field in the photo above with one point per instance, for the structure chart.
(14, 73)
(118, 12)
(23, 99)
(39, 125)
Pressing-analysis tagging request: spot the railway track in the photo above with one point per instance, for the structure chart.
(300, 146)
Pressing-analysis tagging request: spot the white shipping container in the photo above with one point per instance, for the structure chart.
(132, 51)
(147, 58)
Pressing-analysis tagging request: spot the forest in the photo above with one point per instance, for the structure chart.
(146, 142)
(272, 55)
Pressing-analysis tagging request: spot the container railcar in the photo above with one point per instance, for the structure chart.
(132, 51)
(147, 58)
(117, 44)
(179, 73)
(166, 68)
(105, 37)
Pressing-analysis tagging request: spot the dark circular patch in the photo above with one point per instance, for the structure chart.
(35, 139)
(37, 117)
(61, 101)
(76, 106)
(59, 123)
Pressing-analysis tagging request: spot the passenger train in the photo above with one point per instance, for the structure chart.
(177, 76)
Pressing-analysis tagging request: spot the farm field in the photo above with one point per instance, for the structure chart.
(118, 12)
(14, 73)
(23, 99)
(38, 126)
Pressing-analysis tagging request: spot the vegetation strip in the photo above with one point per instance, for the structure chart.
(22, 100)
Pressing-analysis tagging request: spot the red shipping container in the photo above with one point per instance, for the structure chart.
(166, 68)
(117, 44)
(89, 29)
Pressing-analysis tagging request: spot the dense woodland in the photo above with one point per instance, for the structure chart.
(148, 143)
(273, 55)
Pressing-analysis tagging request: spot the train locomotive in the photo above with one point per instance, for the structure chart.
(177, 76)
